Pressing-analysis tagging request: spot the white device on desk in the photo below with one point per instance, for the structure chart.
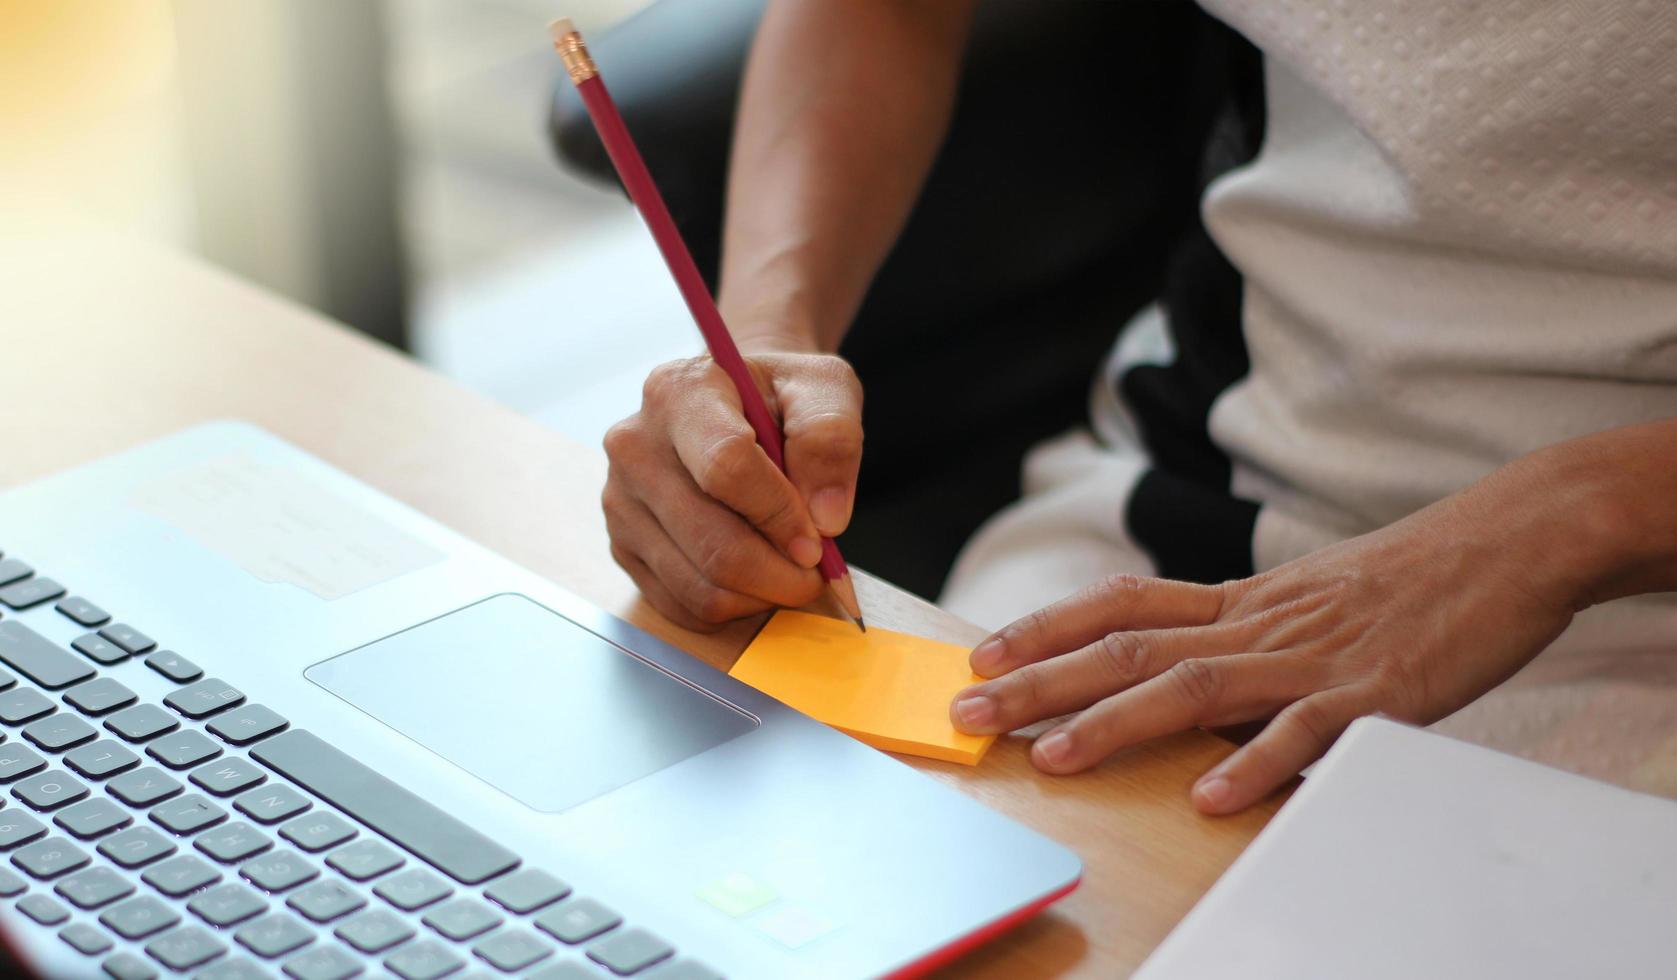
(1409, 854)
(316, 732)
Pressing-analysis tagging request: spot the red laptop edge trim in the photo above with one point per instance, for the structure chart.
(983, 934)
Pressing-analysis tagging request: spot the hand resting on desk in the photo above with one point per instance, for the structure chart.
(1414, 621)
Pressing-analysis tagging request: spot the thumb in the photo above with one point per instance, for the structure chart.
(821, 419)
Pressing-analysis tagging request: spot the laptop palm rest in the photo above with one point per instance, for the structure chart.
(529, 702)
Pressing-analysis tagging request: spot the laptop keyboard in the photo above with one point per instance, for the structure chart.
(205, 835)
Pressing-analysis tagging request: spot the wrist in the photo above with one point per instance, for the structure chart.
(1565, 525)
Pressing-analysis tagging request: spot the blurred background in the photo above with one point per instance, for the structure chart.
(388, 163)
(383, 161)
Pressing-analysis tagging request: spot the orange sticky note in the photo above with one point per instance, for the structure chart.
(890, 690)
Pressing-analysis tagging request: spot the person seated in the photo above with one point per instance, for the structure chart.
(1403, 416)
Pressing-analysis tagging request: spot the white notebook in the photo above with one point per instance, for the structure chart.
(1408, 854)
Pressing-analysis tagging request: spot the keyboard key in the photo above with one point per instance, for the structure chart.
(143, 787)
(50, 857)
(128, 638)
(94, 887)
(375, 931)
(85, 939)
(235, 969)
(185, 948)
(179, 875)
(246, 724)
(325, 900)
(226, 904)
(271, 803)
(187, 747)
(30, 592)
(12, 884)
(279, 870)
(17, 827)
(224, 777)
(18, 761)
(127, 966)
(204, 698)
(630, 951)
(187, 814)
(527, 890)
(364, 859)
(49, 790)
(43, 909)
(12, 570)
(412, 889)
(174, 666)
(577, 920)
(513, 949)
(318, 831)
(233, 842)
(141, 722)
(451, 846)
(24, 704)
(100, 759)
(97, 696)
(274, 935)
(55, 733)
(425, 960)
(38, 658)
(462, 918)
(83, 611)
(98, 649)
(136, 846)
(90, 818)
(322, 963)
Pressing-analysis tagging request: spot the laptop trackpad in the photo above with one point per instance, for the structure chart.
(529, 702)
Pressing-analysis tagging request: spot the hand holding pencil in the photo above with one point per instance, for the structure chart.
(688, 555)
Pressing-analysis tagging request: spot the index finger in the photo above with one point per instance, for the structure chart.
(1122, 602)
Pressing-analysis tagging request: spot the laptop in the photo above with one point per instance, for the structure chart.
(261, 720)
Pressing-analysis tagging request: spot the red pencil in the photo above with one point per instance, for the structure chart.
(620, 146)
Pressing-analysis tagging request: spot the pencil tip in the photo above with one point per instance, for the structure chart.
(863, 626)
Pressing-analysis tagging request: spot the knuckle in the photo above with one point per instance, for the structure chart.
(1122, 656)
(1024, 689)
(1033, 628)
(727, 465)
(830, 437)
(780, 512)
(1121, 587)
(1312, 723)
(623, 439)
(1197, 681)
(719, 562)
(710, 604)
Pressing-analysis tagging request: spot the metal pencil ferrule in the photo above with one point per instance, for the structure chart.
(573, 54)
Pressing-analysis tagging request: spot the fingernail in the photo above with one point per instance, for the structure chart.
(1213, 792)
(1053, 748)
(986, 657)
(805, 551)
(976, 712)
(827, 509)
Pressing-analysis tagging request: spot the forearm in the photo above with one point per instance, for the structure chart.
(843, 108)
(1595, 518)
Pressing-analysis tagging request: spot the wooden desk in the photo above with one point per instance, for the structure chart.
(108, 343)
